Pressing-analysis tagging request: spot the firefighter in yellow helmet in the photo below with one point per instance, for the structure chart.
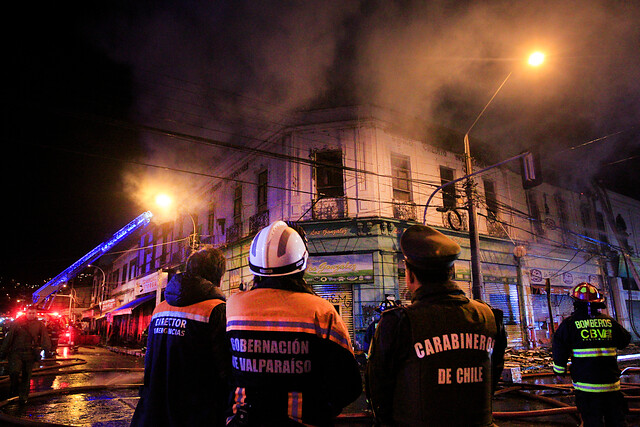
(590, 340)
(291, 353)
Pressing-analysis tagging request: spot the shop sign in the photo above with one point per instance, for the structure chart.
(151, 282)
(108, 304)
(538, 276)
(335, 269)
(327, 232)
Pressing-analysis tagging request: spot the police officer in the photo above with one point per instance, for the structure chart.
(434, 362)
(292, 359)
(187, 362)
(590, 339)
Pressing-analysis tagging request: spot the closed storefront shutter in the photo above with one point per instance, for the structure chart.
(341, 297)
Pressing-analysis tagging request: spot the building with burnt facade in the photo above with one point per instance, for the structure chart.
(354, 182)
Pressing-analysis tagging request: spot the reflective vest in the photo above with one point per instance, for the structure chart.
(591, 344)
(291, 357)
(184, 377)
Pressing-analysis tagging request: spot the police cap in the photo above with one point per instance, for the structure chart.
(426, 248)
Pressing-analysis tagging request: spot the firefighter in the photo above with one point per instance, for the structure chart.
(590, 339)
(371, 329)
(187, 361)
(436, 361)
(26, 338)
(291, 355)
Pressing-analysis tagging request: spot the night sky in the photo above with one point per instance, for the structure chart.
(86, 81)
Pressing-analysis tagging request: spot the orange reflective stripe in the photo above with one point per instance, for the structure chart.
(199, 312)
(294, 409)
(286, 311)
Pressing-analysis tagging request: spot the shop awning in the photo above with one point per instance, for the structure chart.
(128, 307)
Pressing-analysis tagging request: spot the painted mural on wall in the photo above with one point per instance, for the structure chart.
(336, 269)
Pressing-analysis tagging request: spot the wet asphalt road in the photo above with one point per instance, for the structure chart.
(104, 397)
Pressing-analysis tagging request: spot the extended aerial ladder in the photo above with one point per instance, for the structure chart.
(44, 296)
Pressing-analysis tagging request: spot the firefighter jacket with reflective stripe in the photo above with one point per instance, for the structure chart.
(591, 343)
(435, 362)
(291, 357)
(26, 335)
(187, 363)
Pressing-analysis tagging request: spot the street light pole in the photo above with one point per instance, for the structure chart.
(477, 282)
(193, 238)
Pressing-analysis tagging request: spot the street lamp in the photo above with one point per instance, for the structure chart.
(164, 201)
(477, 287)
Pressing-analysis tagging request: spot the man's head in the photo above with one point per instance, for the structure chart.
(278, 250)
(587, 297)
(429, 255)
(31, 313)
(208, 263)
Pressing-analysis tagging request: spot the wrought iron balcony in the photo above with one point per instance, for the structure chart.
(405, 210)
(258, 221)
(330, 208)
(495, 228)
(234, 232)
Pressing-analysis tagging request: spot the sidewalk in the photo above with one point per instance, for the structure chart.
(138, 352)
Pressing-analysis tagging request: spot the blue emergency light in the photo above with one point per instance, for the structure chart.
(54, 284)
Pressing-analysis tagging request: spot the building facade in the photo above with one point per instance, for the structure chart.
(355, 182)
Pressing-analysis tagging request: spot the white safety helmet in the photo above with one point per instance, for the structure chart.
(278, 250)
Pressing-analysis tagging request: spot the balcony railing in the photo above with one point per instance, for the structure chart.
(330, 208)
(455, 219)
(258, 222)
(234, 232)
(495, 228)
(405, 211)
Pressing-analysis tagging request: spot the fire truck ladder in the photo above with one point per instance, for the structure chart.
(46, 293)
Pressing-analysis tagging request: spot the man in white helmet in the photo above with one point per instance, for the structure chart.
(291, 354)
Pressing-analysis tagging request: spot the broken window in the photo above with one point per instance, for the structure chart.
(328, 173)
(401, 178)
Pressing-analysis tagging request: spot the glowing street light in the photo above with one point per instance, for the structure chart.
(477, 282)
(536, 59)
(164, 201)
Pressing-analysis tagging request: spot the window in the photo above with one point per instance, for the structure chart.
(211, 220)
(585, 217)
(147, 254)
(237, 205)
(132, 269)
(448, 193)
(491, 199)
(114, 280)
(124, 274)
(262, 191)
(401, 181)
(602, 231)
(534, 211)
(328, 173)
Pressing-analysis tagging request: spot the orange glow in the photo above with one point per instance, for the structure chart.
(536, 59)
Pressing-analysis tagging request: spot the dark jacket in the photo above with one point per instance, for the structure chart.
(291, 355)
(26, 337)
(435, 362)
(591, 344)
(187, 360)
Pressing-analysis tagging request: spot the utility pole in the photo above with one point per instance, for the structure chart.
(477, 282)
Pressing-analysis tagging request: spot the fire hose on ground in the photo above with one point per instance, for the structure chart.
(558, 407)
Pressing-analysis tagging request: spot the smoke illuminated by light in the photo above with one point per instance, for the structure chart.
(163, 200)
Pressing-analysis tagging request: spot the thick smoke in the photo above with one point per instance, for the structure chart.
(236, 70)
